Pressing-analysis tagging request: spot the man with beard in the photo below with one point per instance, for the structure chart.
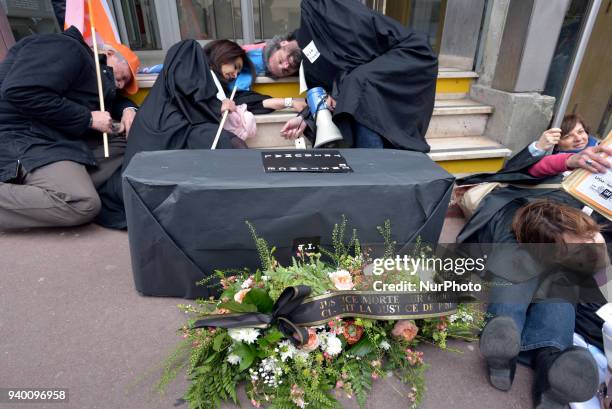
(50, 128)
(279, 57)
(380, 76)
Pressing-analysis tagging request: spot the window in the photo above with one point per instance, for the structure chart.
(274, 17)
(30, 17)
(209, 19)
(137, 20)
(149, 25)
(424, 16)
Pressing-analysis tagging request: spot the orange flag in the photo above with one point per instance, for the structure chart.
(77, 14)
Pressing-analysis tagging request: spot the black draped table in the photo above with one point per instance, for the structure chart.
(186, 210)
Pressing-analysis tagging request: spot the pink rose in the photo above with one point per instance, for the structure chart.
(239, 296)
(342, 280)
(406, 329)
(313, 341)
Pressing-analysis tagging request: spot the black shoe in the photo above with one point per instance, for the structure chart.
(564, 377)
(500, 343)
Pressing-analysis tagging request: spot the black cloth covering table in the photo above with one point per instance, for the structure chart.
(186, 210)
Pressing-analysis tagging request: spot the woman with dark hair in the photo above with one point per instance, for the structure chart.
(227, 59)
(184, 109)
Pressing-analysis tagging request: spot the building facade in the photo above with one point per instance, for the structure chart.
(521, 52)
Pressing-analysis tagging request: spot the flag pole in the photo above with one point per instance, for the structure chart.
(98, 76)
(214, 145)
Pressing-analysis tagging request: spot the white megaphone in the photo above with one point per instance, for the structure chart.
(327, 131)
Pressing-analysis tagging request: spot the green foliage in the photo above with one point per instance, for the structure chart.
(234, 306)
(173, 365)
(362, 348)
(259, 298)
(246, 353)
(385, 231)
(264, 251)
(313, 273)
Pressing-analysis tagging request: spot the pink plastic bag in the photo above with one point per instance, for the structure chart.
(241, 123)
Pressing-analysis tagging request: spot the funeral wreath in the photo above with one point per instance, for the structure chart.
(303, 334)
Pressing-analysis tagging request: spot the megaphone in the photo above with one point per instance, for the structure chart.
(327, 131)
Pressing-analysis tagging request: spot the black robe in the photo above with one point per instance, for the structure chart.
(181, 112)
(491, 225)
(382, 75)
(491, 221)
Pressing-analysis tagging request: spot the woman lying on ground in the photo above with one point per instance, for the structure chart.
(184, 109)
(534, 326)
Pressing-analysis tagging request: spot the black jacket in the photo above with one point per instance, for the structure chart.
(382, 75)
(48, 89)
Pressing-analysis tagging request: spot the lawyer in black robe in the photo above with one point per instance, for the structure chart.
(181, 112)
(381, 74)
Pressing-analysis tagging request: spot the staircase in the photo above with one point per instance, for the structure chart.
(455, 134)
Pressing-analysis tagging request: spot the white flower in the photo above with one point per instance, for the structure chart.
(385, 345)
(333, 345)
(342, 280)
(235, 334)
(265, 278)
(233, 359)
(453, 318)
(301, 355)
(248, 283)
(248, 335)
(287, 350)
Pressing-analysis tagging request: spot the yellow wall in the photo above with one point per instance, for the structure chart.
(291, 89)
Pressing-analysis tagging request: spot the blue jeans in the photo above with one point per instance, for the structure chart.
(548, 323)
(367, 138)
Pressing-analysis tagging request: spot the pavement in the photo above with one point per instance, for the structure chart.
(71, 318)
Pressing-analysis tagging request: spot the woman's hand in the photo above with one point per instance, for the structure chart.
(228, 105)
(549, 139)
(591, 159)
(293, 128)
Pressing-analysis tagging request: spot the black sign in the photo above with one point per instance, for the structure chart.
(305, 245)
(318, 161)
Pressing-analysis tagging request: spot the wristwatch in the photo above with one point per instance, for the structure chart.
(288, 102)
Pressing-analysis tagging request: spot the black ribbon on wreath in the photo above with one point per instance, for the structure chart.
(294, 309)
(288, 302)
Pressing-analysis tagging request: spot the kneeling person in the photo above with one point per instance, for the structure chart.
(50, 129)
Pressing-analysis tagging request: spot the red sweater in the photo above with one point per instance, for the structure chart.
(550, 165)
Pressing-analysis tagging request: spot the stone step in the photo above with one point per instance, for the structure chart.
(463, 148)
(442, 149)
(458, 155)
(461, 117)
